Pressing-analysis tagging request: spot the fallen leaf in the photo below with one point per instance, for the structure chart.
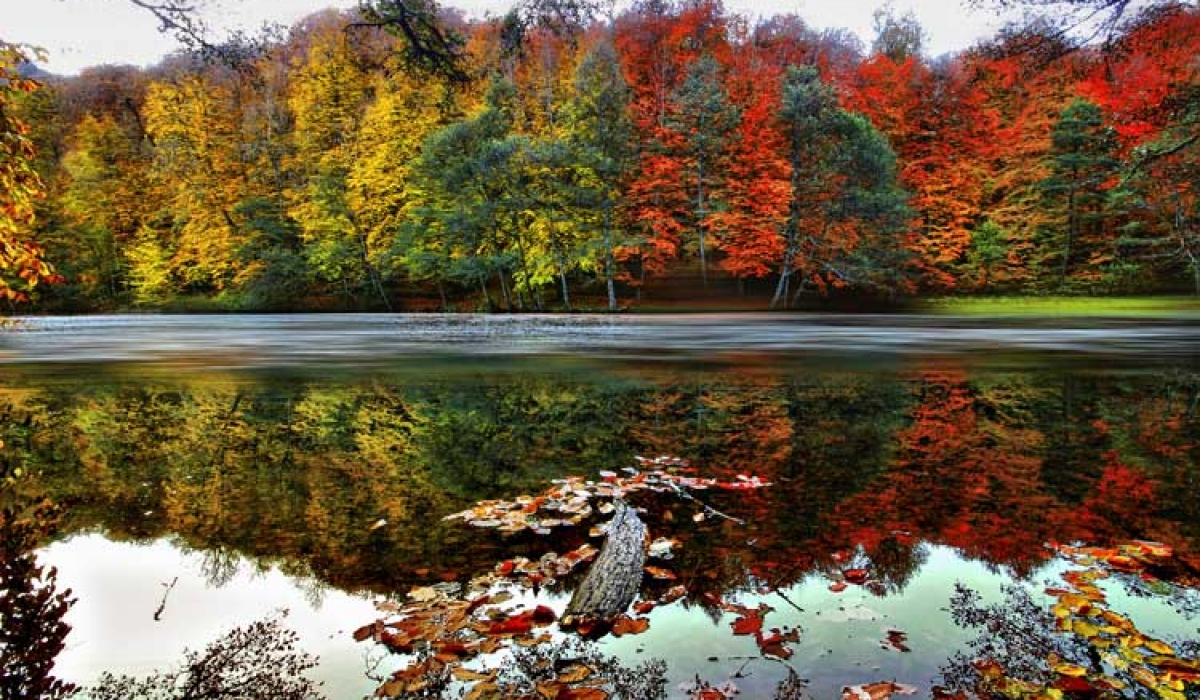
(467, 675)
(624, 625)
(856, 576)
(660, 573)
(423, 594)
(581, 694)
(574, 674)
(896, 640)
(751, 622)
(876, 691)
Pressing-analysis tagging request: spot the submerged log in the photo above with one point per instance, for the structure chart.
(614, 578)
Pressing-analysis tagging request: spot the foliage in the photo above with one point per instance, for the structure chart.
(22, 263)
(260, 660)
(32, 607)
(558, 157)
(1079, 645)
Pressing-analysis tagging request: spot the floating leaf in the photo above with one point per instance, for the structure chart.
(1064, 669)
(751, 622)
(856, 576)
(624, 625)
(876, 691)
(661, 548)
(467, 675)
(896, 640)
(660, 573)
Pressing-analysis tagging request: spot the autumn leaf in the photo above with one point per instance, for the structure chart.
(660, 573)
(467, 675)
(855, 576)
(624, 625)
(581, 694)
(750, 622)
(896, 640)
(876, 691)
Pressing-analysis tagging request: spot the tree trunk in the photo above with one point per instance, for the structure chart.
(504, 290)
(562, 276)
(1066, 261)
(609, 262)
(487, 298)
(700, 215)
(613, 580)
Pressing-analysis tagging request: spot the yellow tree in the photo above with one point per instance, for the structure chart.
(193, 121)
(104, 202)
(21, 261)
(329, 94)
(379, 186)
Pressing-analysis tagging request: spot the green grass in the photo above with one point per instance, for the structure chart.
(1061, 306)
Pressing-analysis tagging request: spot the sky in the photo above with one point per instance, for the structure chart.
(81, 33)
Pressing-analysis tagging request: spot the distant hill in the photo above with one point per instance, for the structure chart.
(32, 70)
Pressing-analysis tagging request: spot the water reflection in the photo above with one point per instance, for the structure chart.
(922, 475)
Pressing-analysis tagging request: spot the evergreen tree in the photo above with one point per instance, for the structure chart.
(706, 122)
(1081, 162)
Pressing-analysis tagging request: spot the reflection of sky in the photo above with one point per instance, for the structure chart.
(120, 585)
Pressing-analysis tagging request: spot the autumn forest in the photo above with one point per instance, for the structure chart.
(571, 157)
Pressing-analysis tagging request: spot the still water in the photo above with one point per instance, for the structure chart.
(924, 476)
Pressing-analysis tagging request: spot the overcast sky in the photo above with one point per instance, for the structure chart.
(80, 33)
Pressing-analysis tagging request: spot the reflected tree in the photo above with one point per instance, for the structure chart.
(257, 662)
(32, 608)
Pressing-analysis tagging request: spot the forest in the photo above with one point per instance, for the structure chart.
(402, 157)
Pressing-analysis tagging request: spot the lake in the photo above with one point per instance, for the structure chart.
(841, 506)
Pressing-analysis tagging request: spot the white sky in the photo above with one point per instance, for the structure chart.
(80, 33)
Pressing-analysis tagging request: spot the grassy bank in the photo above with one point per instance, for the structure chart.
(1060, 306)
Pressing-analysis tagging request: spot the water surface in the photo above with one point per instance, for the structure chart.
(307, 462)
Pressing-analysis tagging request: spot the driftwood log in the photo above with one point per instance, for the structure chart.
(613, 580)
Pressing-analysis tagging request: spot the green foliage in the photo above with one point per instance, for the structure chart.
(847, 211)
(987, 253)
(1082, 161)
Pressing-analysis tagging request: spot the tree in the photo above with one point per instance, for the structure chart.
(22, 263)
(258, 660)
(1164, 197)
(328, 96)
(459, 227)
(755, 191)
(706, 122)
(600, 127)
(105, 201)
(846, 211)
(898, 38)
(1081, 166)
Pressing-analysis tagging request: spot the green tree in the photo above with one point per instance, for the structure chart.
(706, 122)
(846, 212)
(600, 128)
(1082, 163)
(460, 226)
